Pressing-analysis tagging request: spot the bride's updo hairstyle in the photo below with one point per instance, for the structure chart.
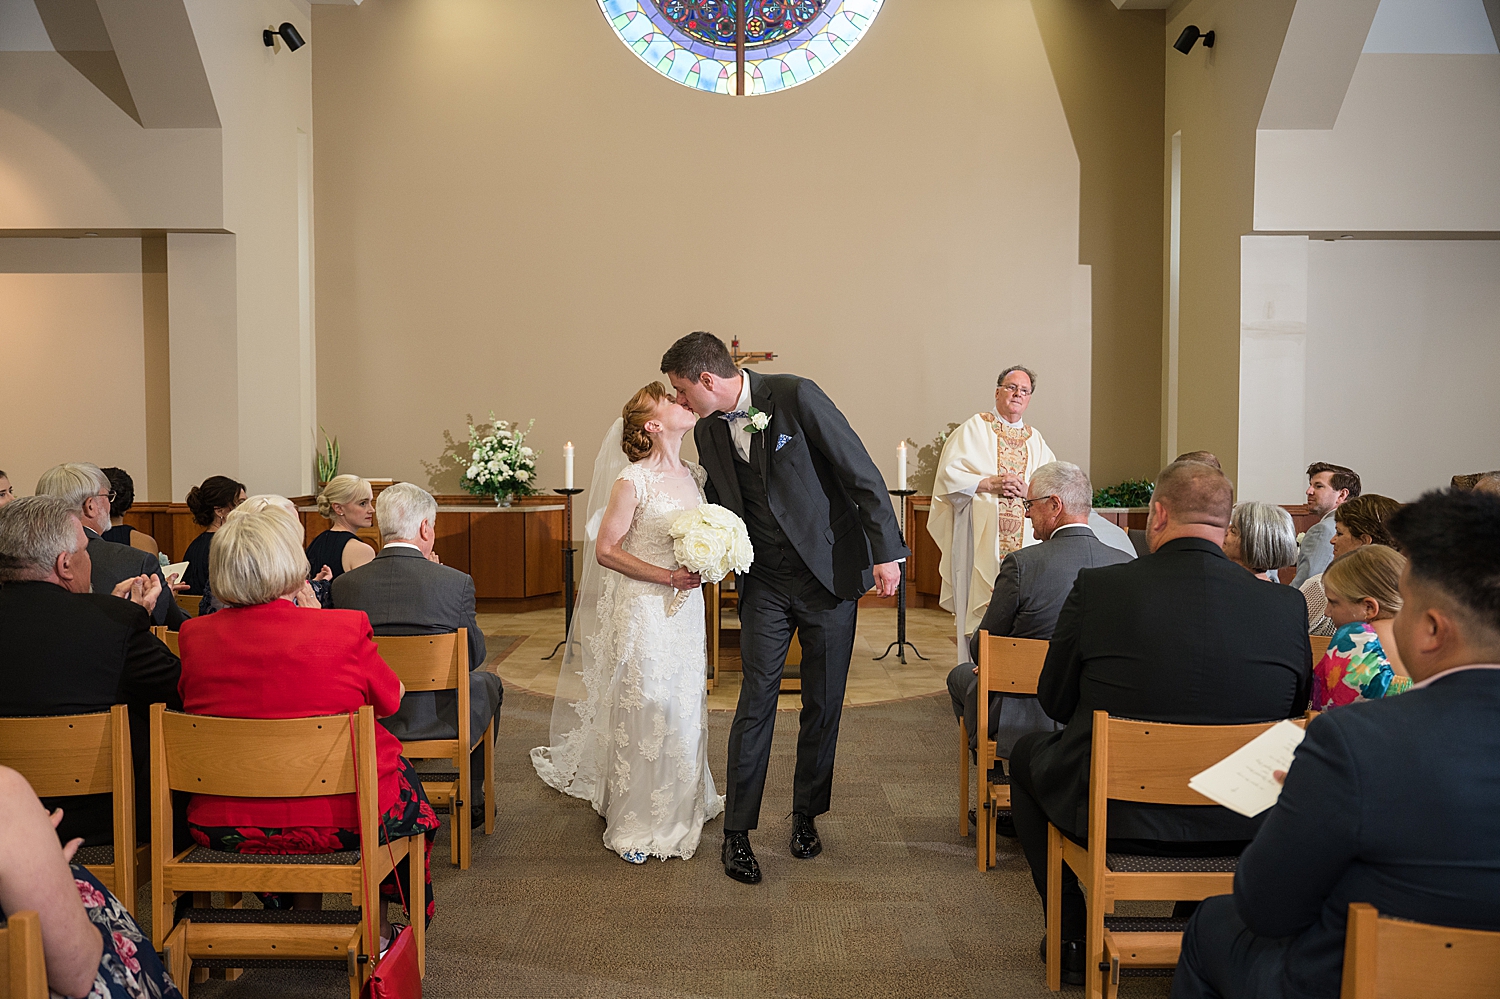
(640, 410)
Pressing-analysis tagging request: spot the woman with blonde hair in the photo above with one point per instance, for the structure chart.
(349, 503)
(1362, 662)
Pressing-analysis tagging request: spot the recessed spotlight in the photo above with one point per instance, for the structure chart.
(91, 234)
(1346, 237)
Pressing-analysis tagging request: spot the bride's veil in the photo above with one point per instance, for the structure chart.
(579, 685)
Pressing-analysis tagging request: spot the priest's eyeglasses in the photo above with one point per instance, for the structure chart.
(1026, 504)
(1020, 390)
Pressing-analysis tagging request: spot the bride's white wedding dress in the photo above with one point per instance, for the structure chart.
(639, 749)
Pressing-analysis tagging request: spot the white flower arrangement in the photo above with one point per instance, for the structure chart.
(711, 541)
(501, 464)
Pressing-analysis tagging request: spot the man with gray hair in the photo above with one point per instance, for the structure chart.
(1030, 589)
(405, 590)
(86, 489)
(65, 650)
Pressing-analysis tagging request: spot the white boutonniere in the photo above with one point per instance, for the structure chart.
(758, 421)
(1301, 536)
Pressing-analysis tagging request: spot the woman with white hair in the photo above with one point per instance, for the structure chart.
(1262, 538)
(317, 591)
(348, 503)
(263, 656)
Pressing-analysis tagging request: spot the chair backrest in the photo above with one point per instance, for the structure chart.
(428, 662)
(1319, 646)
(23, 969)
(69, 754)
(1153, 761)
(254, 757)
(189, 604)
(1390, 958)
(1010, 665)
(168, 638)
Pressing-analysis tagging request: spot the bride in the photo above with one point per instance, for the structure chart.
(630, 716)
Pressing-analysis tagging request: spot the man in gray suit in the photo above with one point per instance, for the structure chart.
(1030, 589)
(406, 591)
(1328, 488)
(85, 488)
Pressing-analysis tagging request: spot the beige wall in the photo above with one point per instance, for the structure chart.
(1214, 99)
(71, 353)
(503, 226)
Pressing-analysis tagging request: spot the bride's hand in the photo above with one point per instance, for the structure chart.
(681, 579)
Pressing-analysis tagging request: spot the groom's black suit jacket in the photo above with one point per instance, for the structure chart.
(821, 484)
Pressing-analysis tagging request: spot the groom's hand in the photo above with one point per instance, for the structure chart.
(887, 578)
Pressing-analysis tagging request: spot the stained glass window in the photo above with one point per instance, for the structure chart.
(740, 46)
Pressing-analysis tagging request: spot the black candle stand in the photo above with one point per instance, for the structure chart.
(568, 579)
(901, 643)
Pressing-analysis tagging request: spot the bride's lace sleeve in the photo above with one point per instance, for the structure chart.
(700, 474)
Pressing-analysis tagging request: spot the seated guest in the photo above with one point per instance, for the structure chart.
(262, 656)
(1364, 596)
(406, 591)
(91, 945)
(1357, 523)
(314, 595)
(1182, 635)
(346, 502)
(1262, 538)
(1202, 457)
(1328, 488)
(1392, 803)
(209, 503)
(1029, 591)
(69, 651)
(121, 533)
(7, 491)
(85, 489)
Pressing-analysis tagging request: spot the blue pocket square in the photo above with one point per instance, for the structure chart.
(783, 441)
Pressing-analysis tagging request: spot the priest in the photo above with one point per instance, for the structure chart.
(978, 515)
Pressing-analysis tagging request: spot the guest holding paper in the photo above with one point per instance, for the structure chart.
(1362, 662)
(209, 502)
(348, 504)
(1393, 803)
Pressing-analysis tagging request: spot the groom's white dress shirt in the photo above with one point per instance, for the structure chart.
(739, 431)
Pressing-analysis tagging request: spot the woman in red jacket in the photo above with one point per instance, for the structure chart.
(263, 656)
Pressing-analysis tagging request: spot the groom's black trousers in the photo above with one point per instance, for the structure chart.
(824, 625)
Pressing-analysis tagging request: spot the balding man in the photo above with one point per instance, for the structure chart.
(1182, 635)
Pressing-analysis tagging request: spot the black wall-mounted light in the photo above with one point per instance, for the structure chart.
(1184, 43)
(294, 41)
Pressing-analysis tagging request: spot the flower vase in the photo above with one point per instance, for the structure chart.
(503, 500)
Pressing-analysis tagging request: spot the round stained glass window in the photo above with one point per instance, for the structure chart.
(740, 46)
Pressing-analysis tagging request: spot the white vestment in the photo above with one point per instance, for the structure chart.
(966, 525)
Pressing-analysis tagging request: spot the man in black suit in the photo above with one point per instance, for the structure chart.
(1394, 802)
(781, 456)
(68, 651)
(1030, 588)
(86, 489)
(1182, 635)
(406, 591)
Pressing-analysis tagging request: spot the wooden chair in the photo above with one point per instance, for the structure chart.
(1147, 762)
(1320, 645)
(441, 662)
(23, 971)
(168, 638)
(84, 754)
(1388, 958)
(271, 758)
(189, 603)
(1006, 666)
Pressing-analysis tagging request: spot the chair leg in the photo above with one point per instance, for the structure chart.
(416, 853)
(179, 965)
(463, 831)
(963, 778)
(489, 780)
(1054, 908)
(983, 828)
(1093, 952)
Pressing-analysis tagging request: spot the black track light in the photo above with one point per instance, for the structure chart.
(1185, 41)
(294, 41)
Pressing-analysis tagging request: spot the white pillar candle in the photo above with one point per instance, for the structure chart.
(568, 465)
(901, 465)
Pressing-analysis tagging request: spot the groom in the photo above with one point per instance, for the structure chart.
(781, 455)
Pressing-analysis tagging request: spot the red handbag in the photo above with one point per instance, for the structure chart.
(396, 974)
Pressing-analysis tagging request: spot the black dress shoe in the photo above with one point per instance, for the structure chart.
(739, 859)
(476, 816)
(1005, 825)
(805, 843)
(1072, 960)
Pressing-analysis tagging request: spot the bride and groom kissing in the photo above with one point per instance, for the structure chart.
(630, 718)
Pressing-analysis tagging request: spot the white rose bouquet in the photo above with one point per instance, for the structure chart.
(501, 463)
(712, 542)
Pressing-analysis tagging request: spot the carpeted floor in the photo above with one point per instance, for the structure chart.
(893, 907)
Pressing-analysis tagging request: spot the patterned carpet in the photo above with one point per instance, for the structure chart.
(893, 907)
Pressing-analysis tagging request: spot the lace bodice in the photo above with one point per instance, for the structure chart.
(659, 500)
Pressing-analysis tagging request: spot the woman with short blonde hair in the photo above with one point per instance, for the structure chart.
(349, 503)
(1364, 596)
